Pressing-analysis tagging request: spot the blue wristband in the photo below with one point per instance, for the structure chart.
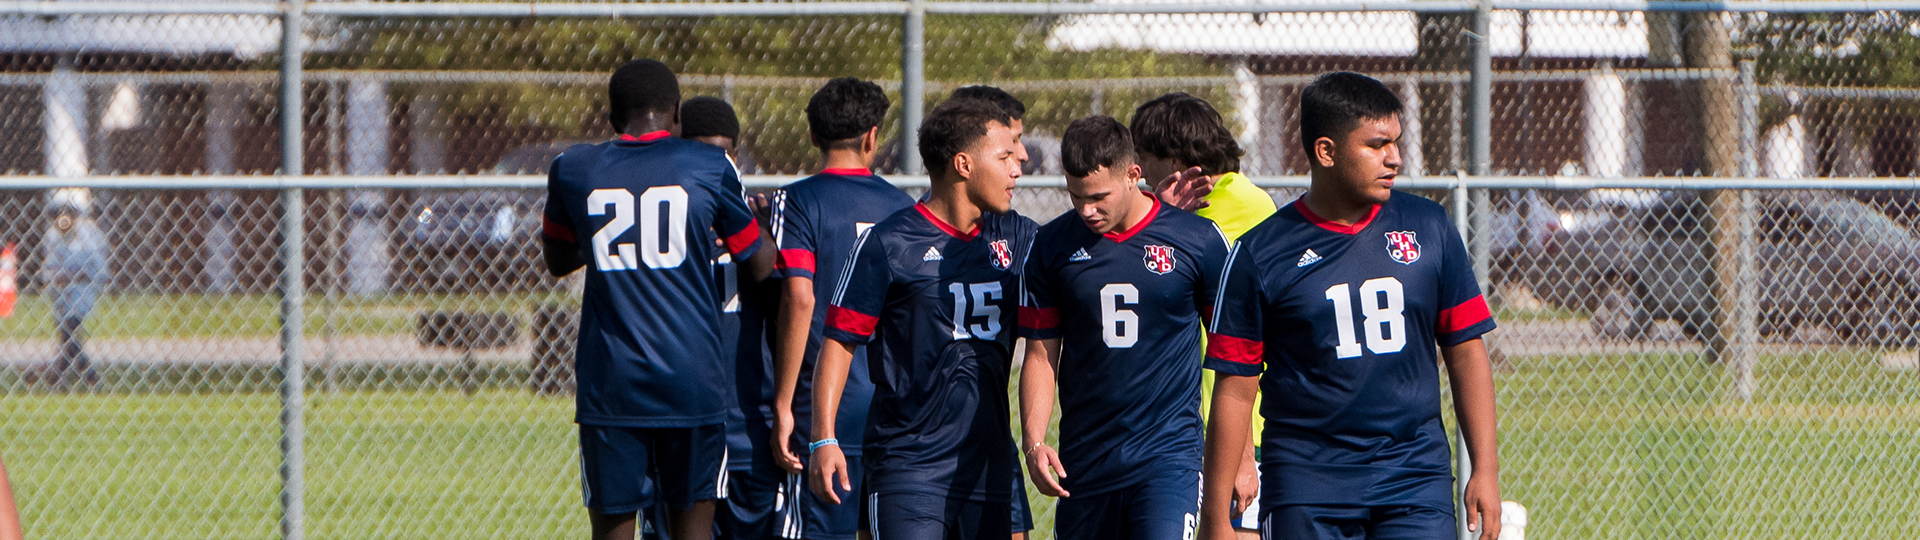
(815, 447)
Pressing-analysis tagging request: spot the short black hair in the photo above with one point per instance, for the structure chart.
(844, 109)
(708, 116)
(1094, 142)
(1186, 128)
(953, 127)
(643, 85)
(1335, 103)
(999, 98)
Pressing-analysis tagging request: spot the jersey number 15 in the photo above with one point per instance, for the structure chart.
(663, 209)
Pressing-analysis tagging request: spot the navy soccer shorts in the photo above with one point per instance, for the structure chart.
(753, 495)
(1164, 506)
(623, 470)
(813, 517)
(919, 516)
(1358, 523)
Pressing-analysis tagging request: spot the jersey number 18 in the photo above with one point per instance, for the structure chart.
(1383, 306)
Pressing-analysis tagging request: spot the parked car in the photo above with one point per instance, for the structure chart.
(1820, 260)
(471, 241)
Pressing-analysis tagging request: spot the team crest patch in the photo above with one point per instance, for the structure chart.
(1402, 248)
(1002, 257)
(1159, 259)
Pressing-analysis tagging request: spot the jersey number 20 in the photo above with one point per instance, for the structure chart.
(1383, 306)
(656, 202)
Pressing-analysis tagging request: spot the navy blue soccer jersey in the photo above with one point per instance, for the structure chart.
(1347, 321)
(939, 306)
(1127, 307)
(641, 209)
(815, 223)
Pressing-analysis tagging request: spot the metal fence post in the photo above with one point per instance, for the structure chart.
(1479, 157)
(292, 280)
(913, 86)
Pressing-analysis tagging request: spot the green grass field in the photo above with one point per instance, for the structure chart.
(1596, 447)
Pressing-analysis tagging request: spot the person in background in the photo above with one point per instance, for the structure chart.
(73, 272)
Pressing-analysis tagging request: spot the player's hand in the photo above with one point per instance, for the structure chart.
(782, 437)
(1043, 464)
(1185, 189)
(1246, 485)
(1482, 501)
(762, 208)
(829, 466)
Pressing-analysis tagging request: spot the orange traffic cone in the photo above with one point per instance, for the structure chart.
(8, 291)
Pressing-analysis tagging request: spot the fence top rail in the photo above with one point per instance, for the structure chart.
(21, 183)
(757, 9)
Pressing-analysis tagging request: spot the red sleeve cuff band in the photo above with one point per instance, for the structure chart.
(1463, 316)
(740, 241)
(1236, 350)
(556, 231)
(847, 320)
(796, 259)
(1039, 318)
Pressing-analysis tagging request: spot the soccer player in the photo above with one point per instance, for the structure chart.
(816, 221)
(1338, 303)
(636, 212)
(1179, 132)
(934, 287)
(1119, 282)
(753, 480)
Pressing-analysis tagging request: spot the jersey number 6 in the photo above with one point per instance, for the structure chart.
(654, 202)
(1383, 305)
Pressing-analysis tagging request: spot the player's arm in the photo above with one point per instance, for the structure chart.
(790, 350)
(829, 379)
(558, 243)
(740, 230)
(1472, 378)
(1228, 437)
(1236, 354)
(9, 512)
(762, 264)
(1038, 382)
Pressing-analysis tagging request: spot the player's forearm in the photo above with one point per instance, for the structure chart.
(1472, 380)
(790, 345)
(760, 266)
(1037, 388)
(829, 379)
(9, 512)
(1227, 438)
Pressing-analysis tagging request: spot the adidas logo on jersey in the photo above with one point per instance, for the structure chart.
(1308, 258)
(1080, 256)
(933, 254)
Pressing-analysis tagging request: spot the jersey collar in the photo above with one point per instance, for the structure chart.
(944, 227)
(1327, 224)
(645, 137)
(862, 171)
(1122, 236)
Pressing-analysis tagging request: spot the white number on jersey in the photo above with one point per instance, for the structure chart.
(982, 297)
(609, 257)
(1120, 328)
(1383, 306)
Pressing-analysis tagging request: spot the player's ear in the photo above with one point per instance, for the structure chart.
(870, 141)
(1323, 149)
(676, 119)
(963, 165)
(1133, 174)
(815, 139)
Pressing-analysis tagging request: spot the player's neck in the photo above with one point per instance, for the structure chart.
(846, 159)
(1141, 208)
(949, 203)
(1331, 205)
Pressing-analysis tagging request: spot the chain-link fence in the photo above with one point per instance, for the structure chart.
(1707, 307)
